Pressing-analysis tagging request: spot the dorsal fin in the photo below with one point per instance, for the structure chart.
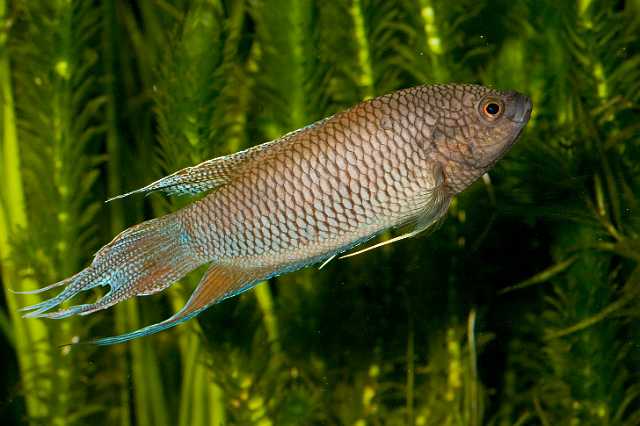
(212, 173)
(202, 177)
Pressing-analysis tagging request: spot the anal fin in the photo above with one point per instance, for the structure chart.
(218, 283)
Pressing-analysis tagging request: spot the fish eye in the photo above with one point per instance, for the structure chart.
(492, 109)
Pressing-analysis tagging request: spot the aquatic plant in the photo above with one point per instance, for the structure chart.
(522, 308)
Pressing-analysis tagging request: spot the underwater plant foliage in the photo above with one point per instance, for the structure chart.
(523, 308)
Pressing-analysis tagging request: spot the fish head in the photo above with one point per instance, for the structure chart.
(476, 129)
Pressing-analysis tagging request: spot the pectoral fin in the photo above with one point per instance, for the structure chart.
(380, 244)
(219, 282)
(428, 218)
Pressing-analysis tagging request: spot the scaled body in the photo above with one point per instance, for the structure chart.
(319, 191)
(392, 161)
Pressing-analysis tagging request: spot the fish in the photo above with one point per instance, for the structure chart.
(392, 162)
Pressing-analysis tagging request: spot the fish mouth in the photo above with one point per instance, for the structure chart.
(523, 107)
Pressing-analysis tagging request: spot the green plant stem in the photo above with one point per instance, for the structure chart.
(265, 301)
(148, 392)
(434, 42)
(30, 336)
(201, 401)
(541, 277)
(365, 76)
(189, 368)
(241, 79)
(150, 408)
(114, 185)
(186, 104)
(473, 393)
(5, 322)
(411, 372)
(630, 297)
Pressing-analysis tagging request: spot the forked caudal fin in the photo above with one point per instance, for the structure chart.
(142, 260)
(219, 282)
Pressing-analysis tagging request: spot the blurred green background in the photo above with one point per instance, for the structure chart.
(522, 309)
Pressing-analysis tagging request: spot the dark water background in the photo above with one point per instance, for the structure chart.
(103, 96)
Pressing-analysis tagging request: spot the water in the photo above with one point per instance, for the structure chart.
(103, 97)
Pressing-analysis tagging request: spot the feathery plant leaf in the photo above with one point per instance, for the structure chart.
(358, 37)
(123, 32)
(434, 44)
(188, 86)
(59, 125)
(584, 376)
(30, 340)
(200, 117)
(155, 86)
(287, 86)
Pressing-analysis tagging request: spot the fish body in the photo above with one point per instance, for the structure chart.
(389, 162)
(317, 192)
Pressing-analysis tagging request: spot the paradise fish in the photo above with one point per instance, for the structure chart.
(314, 193)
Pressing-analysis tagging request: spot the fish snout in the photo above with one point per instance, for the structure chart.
(519, 109)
